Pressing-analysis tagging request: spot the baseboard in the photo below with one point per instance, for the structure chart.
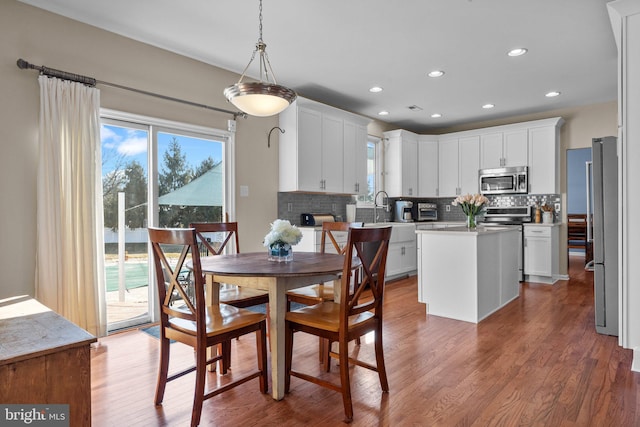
(635, 364)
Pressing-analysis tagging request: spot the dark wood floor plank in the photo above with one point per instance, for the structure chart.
(536, 362)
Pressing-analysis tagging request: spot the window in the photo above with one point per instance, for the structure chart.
(157, 173)
(374, 171)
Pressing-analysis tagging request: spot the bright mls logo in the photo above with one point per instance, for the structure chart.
(34, 415)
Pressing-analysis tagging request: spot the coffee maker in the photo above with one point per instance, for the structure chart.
(403, 211)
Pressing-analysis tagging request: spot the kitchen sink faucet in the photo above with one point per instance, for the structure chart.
(384, 205)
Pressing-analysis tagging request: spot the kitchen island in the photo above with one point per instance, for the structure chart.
(467, 274)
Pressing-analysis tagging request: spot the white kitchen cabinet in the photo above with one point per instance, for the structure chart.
(544, 158)
(402, 255)
(401, 163)
(427, 166)
(312, 237)
(355, 158)
(469, 157)
(312, 150)
(448, 167)
(541, 243)
(332, 148)
(503, 149)
(459, 161)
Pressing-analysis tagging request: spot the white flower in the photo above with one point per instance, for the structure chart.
(282, 232)
(471, 204)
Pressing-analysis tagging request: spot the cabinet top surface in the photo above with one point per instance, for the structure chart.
(29, 329)
(542, 224)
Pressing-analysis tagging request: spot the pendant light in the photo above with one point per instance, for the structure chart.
(261, 98)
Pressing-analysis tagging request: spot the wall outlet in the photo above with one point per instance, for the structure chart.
(289, 207)
(557, 206)
(447, 208)
(333, 207)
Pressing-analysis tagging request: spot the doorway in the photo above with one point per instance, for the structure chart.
(578, 226)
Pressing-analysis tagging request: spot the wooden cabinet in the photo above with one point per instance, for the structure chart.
(44, 359)
(322, 149)
(427, 166)
(401, 163)
(541, 244)
(459, 161)
(502, 149)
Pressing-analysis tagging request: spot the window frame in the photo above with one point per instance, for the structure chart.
(153, 126)
(379, 171)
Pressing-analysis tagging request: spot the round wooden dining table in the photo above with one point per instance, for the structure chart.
(254, 270)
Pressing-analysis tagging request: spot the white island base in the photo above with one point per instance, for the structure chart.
(467, 274)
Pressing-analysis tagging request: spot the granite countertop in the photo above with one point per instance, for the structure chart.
(478, 231)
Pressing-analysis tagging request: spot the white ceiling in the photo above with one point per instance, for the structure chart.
(334, 50)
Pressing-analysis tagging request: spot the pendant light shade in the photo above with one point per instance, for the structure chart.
(261, 98)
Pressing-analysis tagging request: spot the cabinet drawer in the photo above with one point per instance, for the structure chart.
(403, 234)
(534, 231)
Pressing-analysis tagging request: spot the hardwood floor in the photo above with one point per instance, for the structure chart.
(537, 362)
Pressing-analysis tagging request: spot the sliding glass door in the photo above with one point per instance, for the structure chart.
(158, 175)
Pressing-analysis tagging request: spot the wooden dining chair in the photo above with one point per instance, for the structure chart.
(227, 241)
(314, 294)
(358, 313)
(215, 238)
(187, 319)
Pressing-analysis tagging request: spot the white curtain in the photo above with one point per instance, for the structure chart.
(70, 251)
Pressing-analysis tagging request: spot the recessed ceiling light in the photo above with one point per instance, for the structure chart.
(487, 106)
(552, 94)
(517, 51)
(436, 73)
(383, 113)
(375, 89)
(436, 115)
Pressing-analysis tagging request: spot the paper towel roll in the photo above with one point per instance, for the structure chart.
(351, 213)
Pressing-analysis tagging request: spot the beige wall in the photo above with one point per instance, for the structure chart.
(43, 38)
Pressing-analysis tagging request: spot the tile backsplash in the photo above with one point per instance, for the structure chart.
(292, 205)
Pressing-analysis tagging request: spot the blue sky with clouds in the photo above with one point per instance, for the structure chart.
(127, 144)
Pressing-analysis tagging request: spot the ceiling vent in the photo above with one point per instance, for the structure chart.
(414, 108)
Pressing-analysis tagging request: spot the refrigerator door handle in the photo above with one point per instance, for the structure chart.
(588, 175)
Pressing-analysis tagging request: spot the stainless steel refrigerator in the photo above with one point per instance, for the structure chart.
(602, 194)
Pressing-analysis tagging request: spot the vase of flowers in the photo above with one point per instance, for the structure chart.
(471, 206)
(280, 240)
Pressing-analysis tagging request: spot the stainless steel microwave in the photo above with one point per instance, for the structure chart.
(511, 180)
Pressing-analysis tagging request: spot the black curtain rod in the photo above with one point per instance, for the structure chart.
(90, 81)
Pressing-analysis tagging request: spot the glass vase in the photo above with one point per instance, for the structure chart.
(471, 221)
(280, 253)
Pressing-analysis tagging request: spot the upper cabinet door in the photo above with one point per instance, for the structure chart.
(332, 154)
(309, 150)
(515, 150)
(469, 155)
(491, 152)
(448, 167)
(428, 168)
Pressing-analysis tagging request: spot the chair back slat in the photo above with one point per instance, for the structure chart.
(176, 300)
(328, 228)
(229, 231)
(369, 246)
